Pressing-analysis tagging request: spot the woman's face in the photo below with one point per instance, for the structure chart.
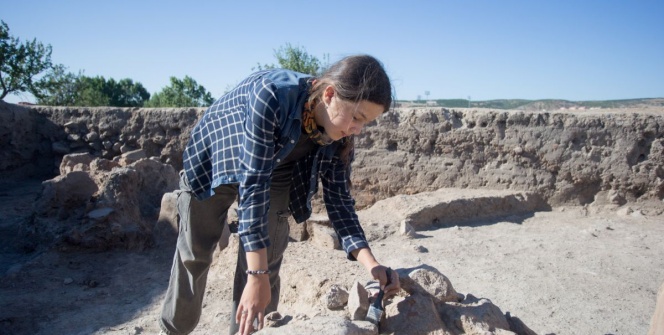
(343, 118)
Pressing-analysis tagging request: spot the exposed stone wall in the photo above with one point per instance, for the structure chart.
(34, 139)
(600, 157)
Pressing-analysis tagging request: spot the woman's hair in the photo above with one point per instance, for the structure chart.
(355, 78)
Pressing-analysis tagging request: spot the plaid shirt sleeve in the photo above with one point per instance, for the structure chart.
(256, 160)
(341, 205)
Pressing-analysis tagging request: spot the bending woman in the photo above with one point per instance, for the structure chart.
(267, 143)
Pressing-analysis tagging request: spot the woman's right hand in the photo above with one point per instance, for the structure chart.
(255, 298)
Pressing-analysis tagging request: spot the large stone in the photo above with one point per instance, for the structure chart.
(321, 233)
(75, 162)
(427, 280)
(64, 194)
(297, 231)
(414, 314)
(474, 316)
(358, 302)
(167, 223)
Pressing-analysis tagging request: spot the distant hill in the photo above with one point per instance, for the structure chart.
(537, 105)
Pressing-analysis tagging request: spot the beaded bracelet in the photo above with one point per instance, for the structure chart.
(258, 272)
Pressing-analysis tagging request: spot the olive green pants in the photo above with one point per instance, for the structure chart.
(201, 224)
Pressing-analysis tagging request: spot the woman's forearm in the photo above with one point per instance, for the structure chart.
(365, 257)
(257, 259)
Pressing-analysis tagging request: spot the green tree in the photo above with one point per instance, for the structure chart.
(20, 63)
(296, 59)
(68, 89)
(181, 93)
(59, 87)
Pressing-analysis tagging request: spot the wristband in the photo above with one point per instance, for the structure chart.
(258, 272)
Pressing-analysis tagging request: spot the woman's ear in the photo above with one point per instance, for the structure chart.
(328, 94)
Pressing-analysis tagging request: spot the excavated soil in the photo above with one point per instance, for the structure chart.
(571, 270)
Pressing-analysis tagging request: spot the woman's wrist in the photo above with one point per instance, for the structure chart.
(366, 258)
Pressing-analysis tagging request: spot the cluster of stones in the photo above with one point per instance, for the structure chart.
(102, 139)
(427, 304)
(98, 203)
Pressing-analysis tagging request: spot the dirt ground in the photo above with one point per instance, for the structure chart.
(567, 271)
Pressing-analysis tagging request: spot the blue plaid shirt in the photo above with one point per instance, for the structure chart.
(245, 134)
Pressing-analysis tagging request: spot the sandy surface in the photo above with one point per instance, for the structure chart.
(567, 271)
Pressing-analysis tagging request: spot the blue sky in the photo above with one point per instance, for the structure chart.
(493, 49)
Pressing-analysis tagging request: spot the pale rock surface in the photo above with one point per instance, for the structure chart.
(75, 162)
(321, 233)
(358, 302)
(297, 231)
(428, 281)
(413, 314)
(336, 297)
(474, 316)
(328, 325)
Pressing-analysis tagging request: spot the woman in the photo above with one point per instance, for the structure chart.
(267, 143)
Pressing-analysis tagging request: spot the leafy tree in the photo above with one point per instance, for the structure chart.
(68, 89)
(20, 63)
(296, 59)
(59, 87)
(181, 93)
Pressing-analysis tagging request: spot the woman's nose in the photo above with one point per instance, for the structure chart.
(355, 129)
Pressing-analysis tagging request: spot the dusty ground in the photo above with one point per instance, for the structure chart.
(568, 271)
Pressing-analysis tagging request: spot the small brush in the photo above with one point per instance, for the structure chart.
(376, 310)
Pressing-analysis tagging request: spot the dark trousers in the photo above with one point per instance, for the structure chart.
(201, 224)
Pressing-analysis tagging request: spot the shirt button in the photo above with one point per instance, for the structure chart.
(278, 160)
(292, 141)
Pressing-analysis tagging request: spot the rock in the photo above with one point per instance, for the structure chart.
(274, 319)
(415, 314)
(91, 136)
(167, 223)
(517, 326)
(132, 156)
(75, 162)
(100, 165)
(475, 316)
(616, 198)
(60, 148)
(298, 231)
(100, 214)
(421, 249)
(336, 297)
(74, 137)
(406, 229)
(125, 149)
(625, 211)
(66, 193)
(358, 302)
(321, 233)
(426, 280)
(328, 325)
